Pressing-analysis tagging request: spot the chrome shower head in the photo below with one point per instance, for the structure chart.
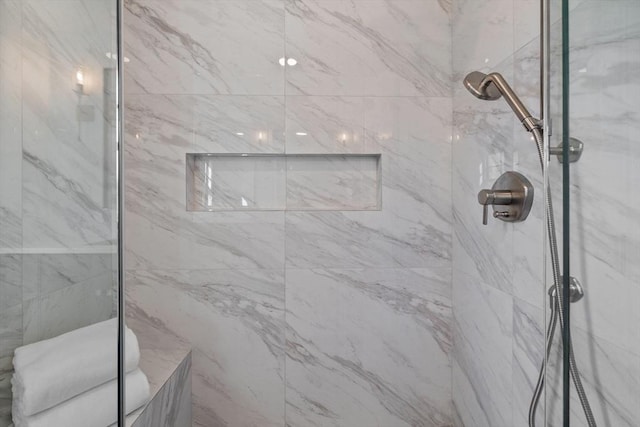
(477, 83)
(493, 86)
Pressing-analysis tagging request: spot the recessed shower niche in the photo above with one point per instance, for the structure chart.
(233, 182)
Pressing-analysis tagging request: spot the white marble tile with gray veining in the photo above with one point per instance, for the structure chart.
(48, 316)
(368, 347)
(326, 124)
(202, 240)
(165, 359)
(234, 319)
(609, 375)
(345, 47)
(161, 233)
(46, 273)
(196, 47)
(414, 225)
(236, 183)
(336, 183)
(483, 35)
(64, 153)
(213, 124)
(604, 115)
(11, 280)
(482, 147)
(10, 339)
(528, 354)
(482, 351)
(10, 125)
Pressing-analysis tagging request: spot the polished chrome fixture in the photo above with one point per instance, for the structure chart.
(491, 87)
(575, 150)
(575, 291)
(511, 197)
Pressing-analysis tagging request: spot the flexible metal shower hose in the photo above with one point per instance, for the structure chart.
(557, 312)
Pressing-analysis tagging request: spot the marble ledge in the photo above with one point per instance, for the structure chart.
(169, 374)
(166, 360)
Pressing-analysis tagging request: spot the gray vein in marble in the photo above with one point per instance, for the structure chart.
(332, 380)
(372, 45)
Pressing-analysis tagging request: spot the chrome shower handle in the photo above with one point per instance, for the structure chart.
(493, 197)
(511, 190)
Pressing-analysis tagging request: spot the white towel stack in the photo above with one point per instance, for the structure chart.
(71, 380)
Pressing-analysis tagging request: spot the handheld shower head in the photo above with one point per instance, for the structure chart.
(477, 83)
(492, 86)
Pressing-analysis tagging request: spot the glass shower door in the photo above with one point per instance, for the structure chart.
(58, 187)
(595, 104)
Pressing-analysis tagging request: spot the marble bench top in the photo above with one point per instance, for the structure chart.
(158, 365)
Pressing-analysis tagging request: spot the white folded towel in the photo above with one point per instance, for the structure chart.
(97, 407)
(52, 371)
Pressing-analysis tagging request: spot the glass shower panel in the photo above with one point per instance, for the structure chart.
(602, 206)
(58, 187)
(553, 116)
(604, 91)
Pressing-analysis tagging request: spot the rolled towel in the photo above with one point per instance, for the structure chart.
(97, 407)
(52, 371)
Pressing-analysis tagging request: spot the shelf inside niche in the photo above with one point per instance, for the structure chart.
(254, 182)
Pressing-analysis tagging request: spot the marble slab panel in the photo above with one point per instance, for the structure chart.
(234, 320)
(482, 352)
(604, 115)
(46, 273)
(10, 280)
(204, 47)
(213, 124)
(326, 124)
(64, 155)
(336, 182)
(528, 354)
(482, 151)
(368, 347)
(483, 35)
(414, 225)
(609, 375)
(69, 308)
(375, 47)
(236, 182)
(10, 124)
(161, 233)
(10, 338)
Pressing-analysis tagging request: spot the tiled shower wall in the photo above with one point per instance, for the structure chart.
(56, 173)
(300, 318)
(497, 268)
(498, 292)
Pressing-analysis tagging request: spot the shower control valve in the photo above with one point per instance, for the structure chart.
(493, 197)
(513, 193)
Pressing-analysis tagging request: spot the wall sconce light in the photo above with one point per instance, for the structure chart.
(80, 81)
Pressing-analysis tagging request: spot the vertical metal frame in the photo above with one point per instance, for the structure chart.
(545, 117)
(545, 98)
(566, 223)
(120, 208)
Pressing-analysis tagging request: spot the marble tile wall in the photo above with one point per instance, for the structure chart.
(498, 343)
(296, 318)
(56, 173)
